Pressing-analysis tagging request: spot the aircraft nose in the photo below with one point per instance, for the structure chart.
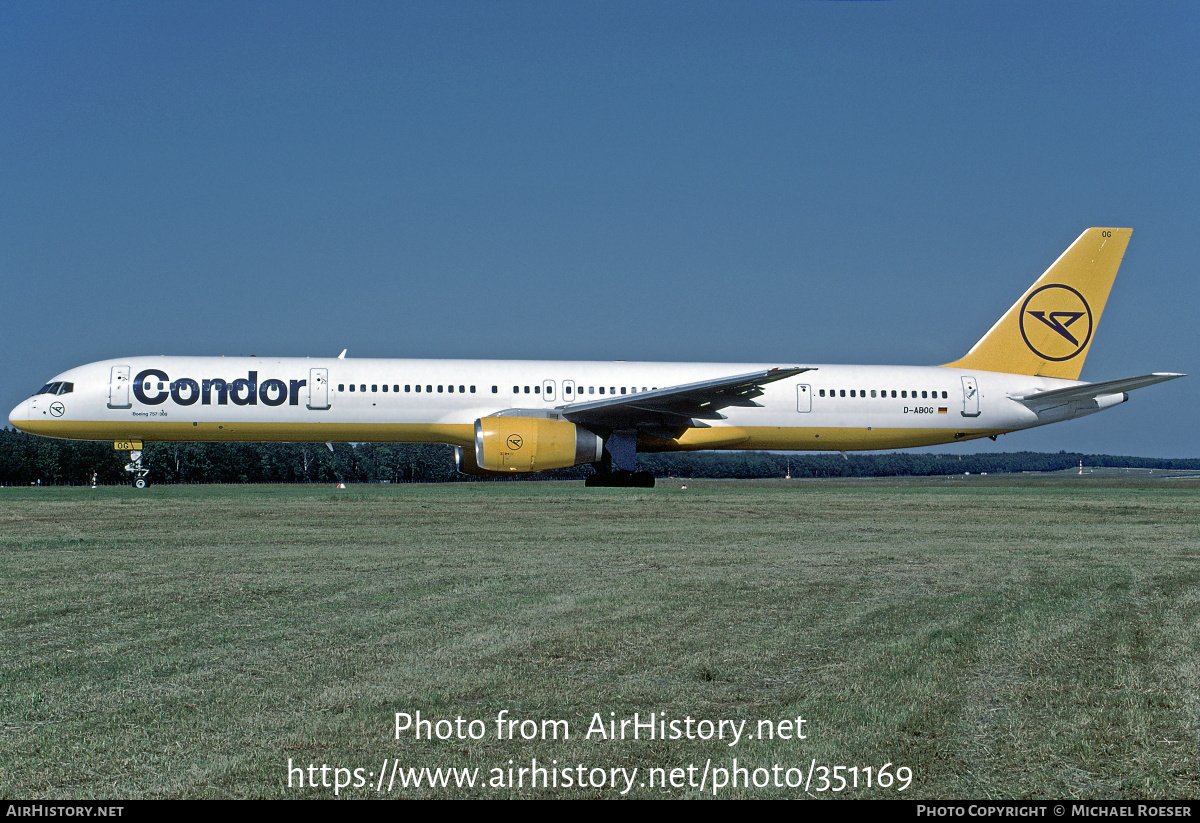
(19, 415)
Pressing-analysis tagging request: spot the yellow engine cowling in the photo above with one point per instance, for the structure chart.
(532, 444)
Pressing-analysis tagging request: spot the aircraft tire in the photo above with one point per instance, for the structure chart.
(622, 480)
(141, 483)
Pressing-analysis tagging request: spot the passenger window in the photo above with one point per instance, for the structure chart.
(351, 387)
(408, 387)
(460, 389)
(418, 388)
(602, 390)
(527, 390)
(439, 389)
(843, 392)
(341, 386)
(872, 392)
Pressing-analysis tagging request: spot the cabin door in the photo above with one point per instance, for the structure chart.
(318, 389)
(118, 388)
(803, 398)
(970, 397)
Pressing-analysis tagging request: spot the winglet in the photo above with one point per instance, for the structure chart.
(1048, 331)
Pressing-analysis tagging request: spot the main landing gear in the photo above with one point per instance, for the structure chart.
(620, 448)
(623, 479)
(140, 472)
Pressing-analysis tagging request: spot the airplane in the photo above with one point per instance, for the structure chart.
(505, 416)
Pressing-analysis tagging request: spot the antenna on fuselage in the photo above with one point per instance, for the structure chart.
(342, 356)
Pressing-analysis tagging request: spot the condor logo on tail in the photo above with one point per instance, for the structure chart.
(1048, 331)
(1059, 321)
(1064, 322)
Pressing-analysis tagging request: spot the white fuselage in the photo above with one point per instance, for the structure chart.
(827, 407)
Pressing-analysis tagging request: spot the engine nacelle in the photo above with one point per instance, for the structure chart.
(532, 444)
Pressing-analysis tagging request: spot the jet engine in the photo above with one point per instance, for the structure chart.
(532, 444)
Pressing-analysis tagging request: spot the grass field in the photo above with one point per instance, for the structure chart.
(1000, 637)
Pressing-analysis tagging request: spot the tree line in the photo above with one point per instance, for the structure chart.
(27, 459)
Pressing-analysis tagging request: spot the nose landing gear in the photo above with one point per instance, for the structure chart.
(134, 466)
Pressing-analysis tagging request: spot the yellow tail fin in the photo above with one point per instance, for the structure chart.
(1049, 330)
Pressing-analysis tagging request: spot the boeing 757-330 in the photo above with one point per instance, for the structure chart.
(505, 416)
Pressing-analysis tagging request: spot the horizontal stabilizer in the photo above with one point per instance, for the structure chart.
(1090, 391)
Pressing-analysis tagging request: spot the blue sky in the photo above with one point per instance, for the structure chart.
(800, 182)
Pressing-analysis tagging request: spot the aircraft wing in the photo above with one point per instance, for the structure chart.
(667, 412)
(1090, 391)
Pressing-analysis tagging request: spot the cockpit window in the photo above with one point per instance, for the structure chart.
(57, 388)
